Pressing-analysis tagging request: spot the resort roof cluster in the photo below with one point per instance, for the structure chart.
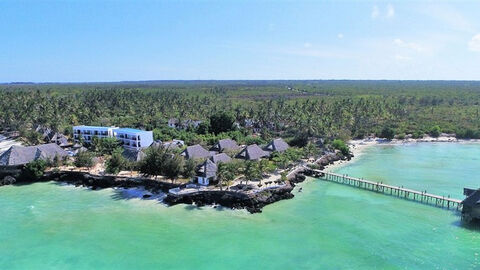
(206, 172)
(134, 141)
(20, 155)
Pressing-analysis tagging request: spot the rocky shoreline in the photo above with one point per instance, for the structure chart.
(238, 199)
(253, 202)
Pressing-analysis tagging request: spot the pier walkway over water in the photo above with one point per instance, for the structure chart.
(401, 192)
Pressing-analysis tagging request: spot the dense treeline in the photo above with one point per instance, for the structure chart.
(345, 109)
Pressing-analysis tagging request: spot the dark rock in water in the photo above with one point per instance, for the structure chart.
(308, 172)
(145, 196)
(106, 181)
(299, 178)
(8, 180)
(252, 202)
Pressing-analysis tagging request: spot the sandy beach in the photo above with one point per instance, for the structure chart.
(357, 147)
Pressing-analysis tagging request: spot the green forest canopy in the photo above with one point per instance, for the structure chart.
(345, 109)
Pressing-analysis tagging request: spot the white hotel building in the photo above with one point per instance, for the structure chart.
(129, 137)
(134, 138)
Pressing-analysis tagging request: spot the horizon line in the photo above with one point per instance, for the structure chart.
(231, 80)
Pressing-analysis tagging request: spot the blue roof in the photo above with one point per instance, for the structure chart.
(130, 130)
(92, 127)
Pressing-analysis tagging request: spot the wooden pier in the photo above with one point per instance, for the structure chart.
(401, 192)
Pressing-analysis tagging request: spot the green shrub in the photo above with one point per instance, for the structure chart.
(341, 145)
(435, 131)
(84, 159)
(34, 170)
(387, 133)
(401, 136)
(116, 163)
(417, 134)
(467, 134)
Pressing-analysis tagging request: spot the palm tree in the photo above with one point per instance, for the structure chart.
(252, 171)
(225, 173)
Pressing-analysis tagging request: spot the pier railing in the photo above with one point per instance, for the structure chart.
(401, 192)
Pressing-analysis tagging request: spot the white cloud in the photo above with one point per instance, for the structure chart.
(409, 45)
(340, 35)
(449, 16)
(474, 44)
(390, 11)
(375, 12)
(307, 45)
(399, 57)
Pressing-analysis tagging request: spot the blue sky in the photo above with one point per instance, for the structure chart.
(77, 41)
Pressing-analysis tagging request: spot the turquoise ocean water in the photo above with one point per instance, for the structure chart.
(327, 226)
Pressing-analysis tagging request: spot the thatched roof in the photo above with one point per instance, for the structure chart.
(473, 199)
(45, 132)
(79, 150)
(50, 150)
(59, 139)
(196, 152)
(174, 144)
(208, 169)
(133, 155)
(222, 157)
(225, 144)
(252, 152)
(20, 155)
(278, 145)
(173, 121)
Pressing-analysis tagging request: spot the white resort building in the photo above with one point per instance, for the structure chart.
(129, 137)
(134, 138)
(88, 132)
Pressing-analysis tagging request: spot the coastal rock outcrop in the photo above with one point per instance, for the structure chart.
(106, 181)
(331, 157)
(243, 197)
(253, 202)
(8, 180)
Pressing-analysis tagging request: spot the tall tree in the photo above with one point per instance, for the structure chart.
(173, 166)
(84, 159)
(252, 171)
(116, 162)
(153, 163)
(225, 173)
(221, 122)
(189, 168)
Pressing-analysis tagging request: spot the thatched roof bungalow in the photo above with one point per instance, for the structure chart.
(196, 152)
(20, 155)
(222, 157)
(471, 204)
(252, 152)
(206, 173)
(277, 145)
(225, 145)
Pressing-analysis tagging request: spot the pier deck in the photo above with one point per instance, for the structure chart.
(405, 193)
